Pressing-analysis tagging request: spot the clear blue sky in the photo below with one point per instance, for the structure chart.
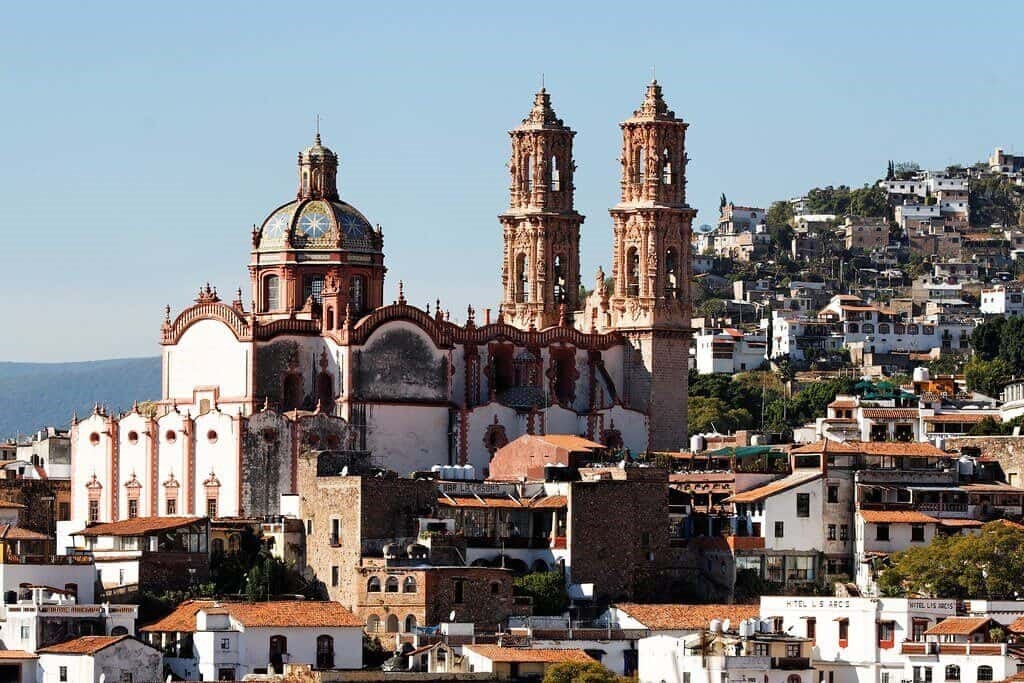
(140, 143)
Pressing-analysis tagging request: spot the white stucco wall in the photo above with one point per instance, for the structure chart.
(207, 355)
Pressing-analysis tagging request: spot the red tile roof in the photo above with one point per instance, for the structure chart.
(17, 654)
(1017, 626)
(961, 417)
(890, 413)
(497, 653)
(969, 523)
(896, 517)
(85, 645)
(571, 442)
(9, 532)
(887, 448)
(139, 526)
(293, 613)
(670, 617)
(777, 486)
(958, 626)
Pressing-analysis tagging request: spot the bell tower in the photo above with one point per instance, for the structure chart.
(541, 269)
(650, 301)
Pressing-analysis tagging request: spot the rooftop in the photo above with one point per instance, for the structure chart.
(84, 645)
(958, 626)
(670, 617)
(291, 613)
(139, 526)
(896, 517)
(777, 486)
(497, 653)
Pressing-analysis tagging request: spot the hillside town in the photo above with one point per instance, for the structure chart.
(785, 447)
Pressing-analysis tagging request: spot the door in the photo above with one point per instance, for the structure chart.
(278, 648)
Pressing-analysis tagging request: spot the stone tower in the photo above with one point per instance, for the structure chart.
(650, 302)
(541, 269)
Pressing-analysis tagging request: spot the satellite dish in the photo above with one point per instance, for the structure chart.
(451, 616)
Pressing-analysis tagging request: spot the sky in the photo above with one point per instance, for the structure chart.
(140, 142)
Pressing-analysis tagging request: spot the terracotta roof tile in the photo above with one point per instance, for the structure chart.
(888, 448)
(571, 442)
(667, 617)
(957, 626)
(17, 654)
(896, 517)
(293, 613)
(85, 645)
(138, 526)
(890, 413)
(961, 417)
(1017, 626)
(953, 523)
(497, 653)
(9, 532)
(777, 486)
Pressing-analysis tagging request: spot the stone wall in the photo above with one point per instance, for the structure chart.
(40, 514)
(1008, 451)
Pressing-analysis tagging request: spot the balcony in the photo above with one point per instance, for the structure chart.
(933, 648)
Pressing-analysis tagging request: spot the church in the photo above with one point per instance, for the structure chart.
(318, 360)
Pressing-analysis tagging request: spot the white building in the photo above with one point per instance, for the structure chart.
(729, 351)
(208, 640)
(857, 639)
(516, 663)
(1004, 299)
(100, 659)
(47, 615)
(961, 649)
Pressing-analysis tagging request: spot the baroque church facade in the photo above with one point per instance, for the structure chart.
(318, 361)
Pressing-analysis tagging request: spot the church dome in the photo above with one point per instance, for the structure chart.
(318, 224)
(318, 218)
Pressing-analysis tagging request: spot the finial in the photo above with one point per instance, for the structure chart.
(561, 315)
(469, 314)
(74, 417)
(447, 315)
(266, 403)
(167, 314)
(542, 89)
(654, 75)
(316, 129)
(401, 292)
(437, 307)
(135, 406)
(428, 308)
(96, 408)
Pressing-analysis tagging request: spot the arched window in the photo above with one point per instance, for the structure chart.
(793, 678)
(495, 587)
(357, 294)
(373, 585)
(529, 173)
(392, 626)
(410, 623)
(556, 181)
(325, 391)
(666, 167)
(632, 272)
(559, 288)
(867, 328)
(330, 318)
(883, 328)
(522, 281)
(671, 274)
(639, 164)
(391, 585)
(952, 672)
(234, 543)
(324, 652)
(272, 293)
(853, 327)
(278, 649)
(984, 672)
(372, 623)
(217, 546)
(409, 585)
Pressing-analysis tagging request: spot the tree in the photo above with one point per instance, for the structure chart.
(988, 566)
(987, 376)
(711, 308)
(870, 200)
(722, 203)
(547, 589)
(1011, 344)
(778, 220)
(579, 672)
(993, 200)
(986, 337)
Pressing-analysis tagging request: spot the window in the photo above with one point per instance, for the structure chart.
(803, 505)
(335, 575)
(373, 621)
(812, 627)
(225, 643)
(24, 633)
(62, 674)
(272, 291)
(172, 506)
(559, 280)
(882, 532)
(391, 585)
(133, 508)
(844, 632)
(356, 294)
(522, 281)
(211, 507)
(63, 512)
(952, 672)
(671, 274)
(632, 272)
(495, 587)
(831, 532)
(325, 652)
(886, 634)
(760, 649)
(917, 533)
(458, 586)
(409, 585)
(985, 673)
(922, 674)
(793, 678)
(313, 287)
(373, 585)
(833, 494)
(844, 532)
(410, 623)
(392, 624)
(335, 532)
(792, 649)
(780, 528)
(94, 511)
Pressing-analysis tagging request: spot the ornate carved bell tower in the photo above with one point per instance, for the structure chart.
(650, 303)
(541, 269)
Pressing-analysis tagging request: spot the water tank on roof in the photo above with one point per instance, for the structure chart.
(745, 631)
(726, 624)
(965, 466)
(446, 472)
(468, 472)
(436, 469)
(715, 626)
(766, 626)
(759, 440)
(921, 374)
(697, 443)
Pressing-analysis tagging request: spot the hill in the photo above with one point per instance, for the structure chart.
(34, 395)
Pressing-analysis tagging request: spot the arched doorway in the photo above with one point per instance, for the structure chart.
(278, 648)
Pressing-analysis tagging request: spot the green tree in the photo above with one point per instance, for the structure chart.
(778, 219)
(989, 566)
(579, 672)
(987, 376)
(993, 200)
(547, 589)
(870, 200)
(986, 338)
(1011, 344)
